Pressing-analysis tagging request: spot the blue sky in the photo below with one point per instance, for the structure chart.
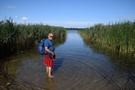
(68, 13)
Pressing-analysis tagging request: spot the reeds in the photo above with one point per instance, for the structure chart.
(16, 37)
(115, 40)
(118, 37)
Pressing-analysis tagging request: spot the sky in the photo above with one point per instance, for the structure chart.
(67, 13)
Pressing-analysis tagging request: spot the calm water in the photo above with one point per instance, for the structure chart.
(77, 68)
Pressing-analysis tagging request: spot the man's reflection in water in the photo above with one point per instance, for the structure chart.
(50, 84)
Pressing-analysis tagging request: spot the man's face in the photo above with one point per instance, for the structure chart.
(50, 36)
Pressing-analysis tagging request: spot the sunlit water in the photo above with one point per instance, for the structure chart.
(77, 68)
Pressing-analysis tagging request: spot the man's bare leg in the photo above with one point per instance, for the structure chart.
(49, 72)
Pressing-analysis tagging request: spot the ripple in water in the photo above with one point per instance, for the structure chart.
(76, 68)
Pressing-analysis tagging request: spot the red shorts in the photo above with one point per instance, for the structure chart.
(48, 61)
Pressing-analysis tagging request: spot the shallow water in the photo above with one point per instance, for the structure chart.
(77, 68)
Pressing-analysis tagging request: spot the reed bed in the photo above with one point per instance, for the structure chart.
(118, 37)
(116, 40)
(17, 37)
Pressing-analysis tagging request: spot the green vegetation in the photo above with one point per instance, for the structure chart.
(118, 37)
(116, 40)
(17, 37)
(74, 28)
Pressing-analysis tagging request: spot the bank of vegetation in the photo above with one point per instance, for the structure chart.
(118, 38)
(73, 28)
(18, 37)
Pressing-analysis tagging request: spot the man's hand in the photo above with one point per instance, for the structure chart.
(52, 53)
(46, 48)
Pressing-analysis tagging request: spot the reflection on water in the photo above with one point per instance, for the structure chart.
(77, 68)
(124, 61)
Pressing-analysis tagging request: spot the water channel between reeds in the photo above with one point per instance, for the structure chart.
(77, 67)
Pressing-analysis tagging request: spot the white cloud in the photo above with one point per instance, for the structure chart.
(9, 6)
(16, 16)
(24, 18)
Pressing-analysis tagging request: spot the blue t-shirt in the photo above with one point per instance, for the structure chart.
(48, 43)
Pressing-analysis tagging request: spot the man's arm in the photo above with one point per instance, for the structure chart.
(46, 48)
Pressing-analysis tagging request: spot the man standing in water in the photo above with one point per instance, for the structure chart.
(48, 57)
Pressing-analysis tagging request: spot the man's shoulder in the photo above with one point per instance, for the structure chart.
(47, 41)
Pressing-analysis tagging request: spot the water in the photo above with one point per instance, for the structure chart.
(77, 68)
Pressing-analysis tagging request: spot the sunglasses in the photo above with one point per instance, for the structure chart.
(51, 36)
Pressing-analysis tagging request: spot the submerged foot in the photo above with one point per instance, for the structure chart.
(50, 76)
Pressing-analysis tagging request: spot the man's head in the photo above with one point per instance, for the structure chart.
(50, 36)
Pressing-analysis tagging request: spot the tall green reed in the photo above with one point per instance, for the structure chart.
(116, 40)
(118, 37)
(16, 37)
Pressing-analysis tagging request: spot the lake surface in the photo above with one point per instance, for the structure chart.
(77, 67)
